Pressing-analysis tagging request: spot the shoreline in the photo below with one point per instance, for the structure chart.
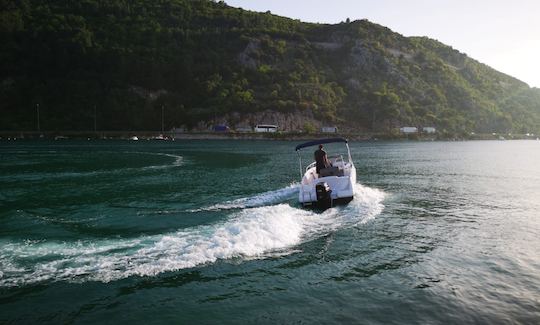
(156, 135)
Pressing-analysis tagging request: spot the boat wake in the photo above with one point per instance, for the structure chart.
(177, 162)
(257, 230)
(266, 198)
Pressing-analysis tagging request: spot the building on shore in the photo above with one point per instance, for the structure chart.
(269, 128)
(408, 129)
(429, 129)
(329, 129)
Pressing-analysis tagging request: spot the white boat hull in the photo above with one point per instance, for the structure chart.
(342, 187)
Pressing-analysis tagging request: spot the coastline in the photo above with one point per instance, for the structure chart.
(283, 136)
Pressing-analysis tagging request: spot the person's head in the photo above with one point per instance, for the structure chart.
(320, 146)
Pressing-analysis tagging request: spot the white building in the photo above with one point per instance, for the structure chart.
(408, 129)
(329, 129)
(266, 128)
(429, 129)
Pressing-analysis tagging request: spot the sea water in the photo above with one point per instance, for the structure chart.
(211, 232)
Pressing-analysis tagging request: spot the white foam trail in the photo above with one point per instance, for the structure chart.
(178, 160)
(249, 233)
(266, 198)
(367, 203)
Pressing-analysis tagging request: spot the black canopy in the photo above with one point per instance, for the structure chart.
(320, 141)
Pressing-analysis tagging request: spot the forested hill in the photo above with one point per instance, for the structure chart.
(202, 60)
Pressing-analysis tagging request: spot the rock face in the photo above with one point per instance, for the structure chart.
(363, 58)
(245, 58)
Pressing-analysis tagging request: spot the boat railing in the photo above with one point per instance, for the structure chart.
(311, 166)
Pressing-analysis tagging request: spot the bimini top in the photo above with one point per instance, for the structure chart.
(320, 141)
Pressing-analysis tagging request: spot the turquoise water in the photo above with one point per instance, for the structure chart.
(210, 232)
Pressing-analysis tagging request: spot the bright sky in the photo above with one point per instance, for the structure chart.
(504, 34)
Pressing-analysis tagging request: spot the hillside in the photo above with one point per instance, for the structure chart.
(204, 61)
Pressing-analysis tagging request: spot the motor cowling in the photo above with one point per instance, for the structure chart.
(324, 195)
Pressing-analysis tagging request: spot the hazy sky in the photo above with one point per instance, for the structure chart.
(504, 34)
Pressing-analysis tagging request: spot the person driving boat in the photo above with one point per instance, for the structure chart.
(321, 159)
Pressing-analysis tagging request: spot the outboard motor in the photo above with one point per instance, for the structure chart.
(324, 195)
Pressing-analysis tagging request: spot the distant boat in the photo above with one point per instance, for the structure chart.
(159, 137)
(134, 138)
(501, 138)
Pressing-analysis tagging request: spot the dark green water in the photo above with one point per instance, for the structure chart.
(210, 232)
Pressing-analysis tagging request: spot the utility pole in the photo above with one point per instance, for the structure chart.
(38, 125)
(162, 118)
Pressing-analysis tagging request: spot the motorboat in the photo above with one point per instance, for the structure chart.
(333, 185)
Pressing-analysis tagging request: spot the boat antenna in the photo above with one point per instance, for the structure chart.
(300, 162)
